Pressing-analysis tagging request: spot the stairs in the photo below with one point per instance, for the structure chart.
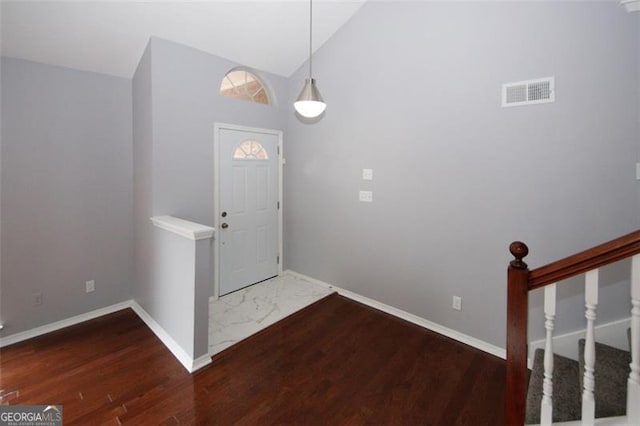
(611, 374)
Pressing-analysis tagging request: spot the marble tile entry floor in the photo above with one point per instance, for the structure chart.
(238, 315)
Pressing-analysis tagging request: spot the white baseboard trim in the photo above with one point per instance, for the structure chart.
(54, 326)
(189, 363)
(181, 355)
(201, 362)
(612, 333)
(602, 421)
(430, 325)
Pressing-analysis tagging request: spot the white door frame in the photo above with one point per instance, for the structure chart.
(216, 194)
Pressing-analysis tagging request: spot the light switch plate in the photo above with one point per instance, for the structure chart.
(367, 174)
(366, 196)
(638, 171)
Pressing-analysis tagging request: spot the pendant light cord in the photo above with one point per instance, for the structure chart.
(310, 36)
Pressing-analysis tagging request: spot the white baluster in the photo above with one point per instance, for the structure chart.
(546, 406)
(591, 302)
(633, 384)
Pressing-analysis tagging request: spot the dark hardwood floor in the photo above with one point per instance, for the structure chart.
(336, 362)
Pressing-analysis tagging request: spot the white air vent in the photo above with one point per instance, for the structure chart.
(528, 92)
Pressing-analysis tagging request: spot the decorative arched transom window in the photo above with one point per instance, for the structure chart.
(250, 150)
(242, 84)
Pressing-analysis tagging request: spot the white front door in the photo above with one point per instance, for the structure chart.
(249, 199)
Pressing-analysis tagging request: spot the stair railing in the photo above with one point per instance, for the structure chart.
(521, 281)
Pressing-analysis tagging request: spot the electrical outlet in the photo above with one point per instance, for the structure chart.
(90, 286)
(37, 299)
(457, 303)
(366, 196)
(367, 174)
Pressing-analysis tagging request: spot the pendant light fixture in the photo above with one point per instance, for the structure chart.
(309, 103)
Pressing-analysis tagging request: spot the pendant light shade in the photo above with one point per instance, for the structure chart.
(310, 103)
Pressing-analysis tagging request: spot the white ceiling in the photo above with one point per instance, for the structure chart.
(110, 36)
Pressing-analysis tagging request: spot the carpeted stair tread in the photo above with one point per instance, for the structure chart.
(566, 389)
(611, 374)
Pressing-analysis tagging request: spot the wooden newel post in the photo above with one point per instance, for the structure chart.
(517, 312)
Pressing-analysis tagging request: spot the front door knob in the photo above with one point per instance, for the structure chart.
(224, 225)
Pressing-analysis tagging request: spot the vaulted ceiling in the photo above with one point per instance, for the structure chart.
(110, 36)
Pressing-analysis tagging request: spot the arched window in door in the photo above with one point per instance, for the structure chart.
(250, 150)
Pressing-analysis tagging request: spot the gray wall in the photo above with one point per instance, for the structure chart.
(186, 103)
(142, 171)
(66, 192)
(637, 19)
(413, 91)
(142, 181)
(176, 103)
(1, 133)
